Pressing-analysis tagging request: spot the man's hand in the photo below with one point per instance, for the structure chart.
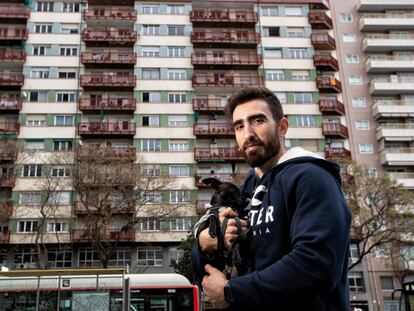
(231, 230)
(207, 244)
(213, 287)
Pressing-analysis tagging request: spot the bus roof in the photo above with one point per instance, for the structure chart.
(57, 272)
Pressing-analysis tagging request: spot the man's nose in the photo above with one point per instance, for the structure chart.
(248, 132)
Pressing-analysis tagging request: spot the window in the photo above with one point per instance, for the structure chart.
(39, 73)
(370, 172)
(88, 257)
(150, 9)
(69, 28)
(179, 170)
(349, 37)
(41, 50)
(296, 32)
(302, 98)
(150, 257)
(176, 254)
(366, 148)
(151, 197)
(34, 145)
(26, 257)
(67, 75)
(282, 97)
(305, 121)
(352, 58)
(151, 97)
(387, 282)
(150, 30)
(121, 257)
(271, 31)
(355, 80)
(150, 74)
(356, 282)
(43, 28)
(293, 11)
(57, 227)
(276, 75)
(178, 145)
(38, 96)
(59, 257)
(64, 120)
(151, 120)
(180, 120)
(382, 251)
(273, 53)
(32, 170)
(180, 224)
(175, 9)
(300, 75)
(60, 171)
(177, 97)
(151, 145)
(62, 145)
(30, 198)
(353, 252)
(298, 53)
(151, 51)
(65, 97)
(59, 197)
(346, 17)
(362, 125)
(179, 196)
(27, 225)
(68, 51)
(44, 6)
(176, 74)
(70, 7)
(151, 170)
(359, 102)
(36, 120)
(176, 51)
(150, 224)
(176, 30)
(268, 11)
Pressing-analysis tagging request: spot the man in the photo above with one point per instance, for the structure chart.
(298, 216)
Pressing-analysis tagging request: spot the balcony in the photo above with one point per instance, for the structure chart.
(334, 130)
(109, 208)
(12, 55)
(109, 58)
(226, 17)
(320, 20)
(10, 103)
(7, 180)
(11, 80)
(4, 236)
(226, 80)
(108, 153)
(226, 60)
(223, 177)
(225, 38)
(389, 64)
(393, 85)
(209, 105)
(328, 85)
(405, 179)
(107, 104)
(212, 129)
(384, 22)
(105, 81)
(14, 12)
(377, 43)
(8, 152)
(12, 128)
(217, 154)
(395, 131)
(331, 106)
(384, 5)
(332, 153)
(397, 156)
(124, 37)
(325, 62)
(6, 210)
(323, 41)
(392, 108)
(110, 13)
(115, 235)
(13, 32)
(101, 128)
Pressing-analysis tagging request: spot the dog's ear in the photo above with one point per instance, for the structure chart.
(213, 182)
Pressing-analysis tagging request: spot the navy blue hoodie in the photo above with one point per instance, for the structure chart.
(300, 225)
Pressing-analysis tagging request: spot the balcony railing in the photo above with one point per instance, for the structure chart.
(398, 150)
(223, 16)
(217, 154)
(14, 11)
(328, 84)
(4, 236)
(109, 57)
(107, 208)
(9, 128)
(105, 103)
(12, 55)
(121, 36)
(224, 177)
(110, 13)
(11, 102)
(13, 32)
(107, 153)
(8, 152)
(331, 105)
(7, 180)
(336, 130)
(212, 129)
(208, 104)
(226, 58)
(11, 79)
(6, 210)
(106, 80)
(323, 41)
(325, 62)
(394, 36)
(340, 152)
(399, 58)
(226, 80)
(103, 128)
(233, 37)
(396, 126)
(85, 235)
(320, 20)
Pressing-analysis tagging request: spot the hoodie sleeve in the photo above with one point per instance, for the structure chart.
(319, 232)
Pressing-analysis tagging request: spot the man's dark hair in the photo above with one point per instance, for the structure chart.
(249, 93)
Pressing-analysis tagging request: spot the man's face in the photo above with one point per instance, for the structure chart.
(257, 133)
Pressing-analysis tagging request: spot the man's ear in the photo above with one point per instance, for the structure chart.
(283, 126)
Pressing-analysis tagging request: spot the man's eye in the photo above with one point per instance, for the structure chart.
(238, 127)
(258, 121)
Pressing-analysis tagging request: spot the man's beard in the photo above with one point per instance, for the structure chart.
(265, 152)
